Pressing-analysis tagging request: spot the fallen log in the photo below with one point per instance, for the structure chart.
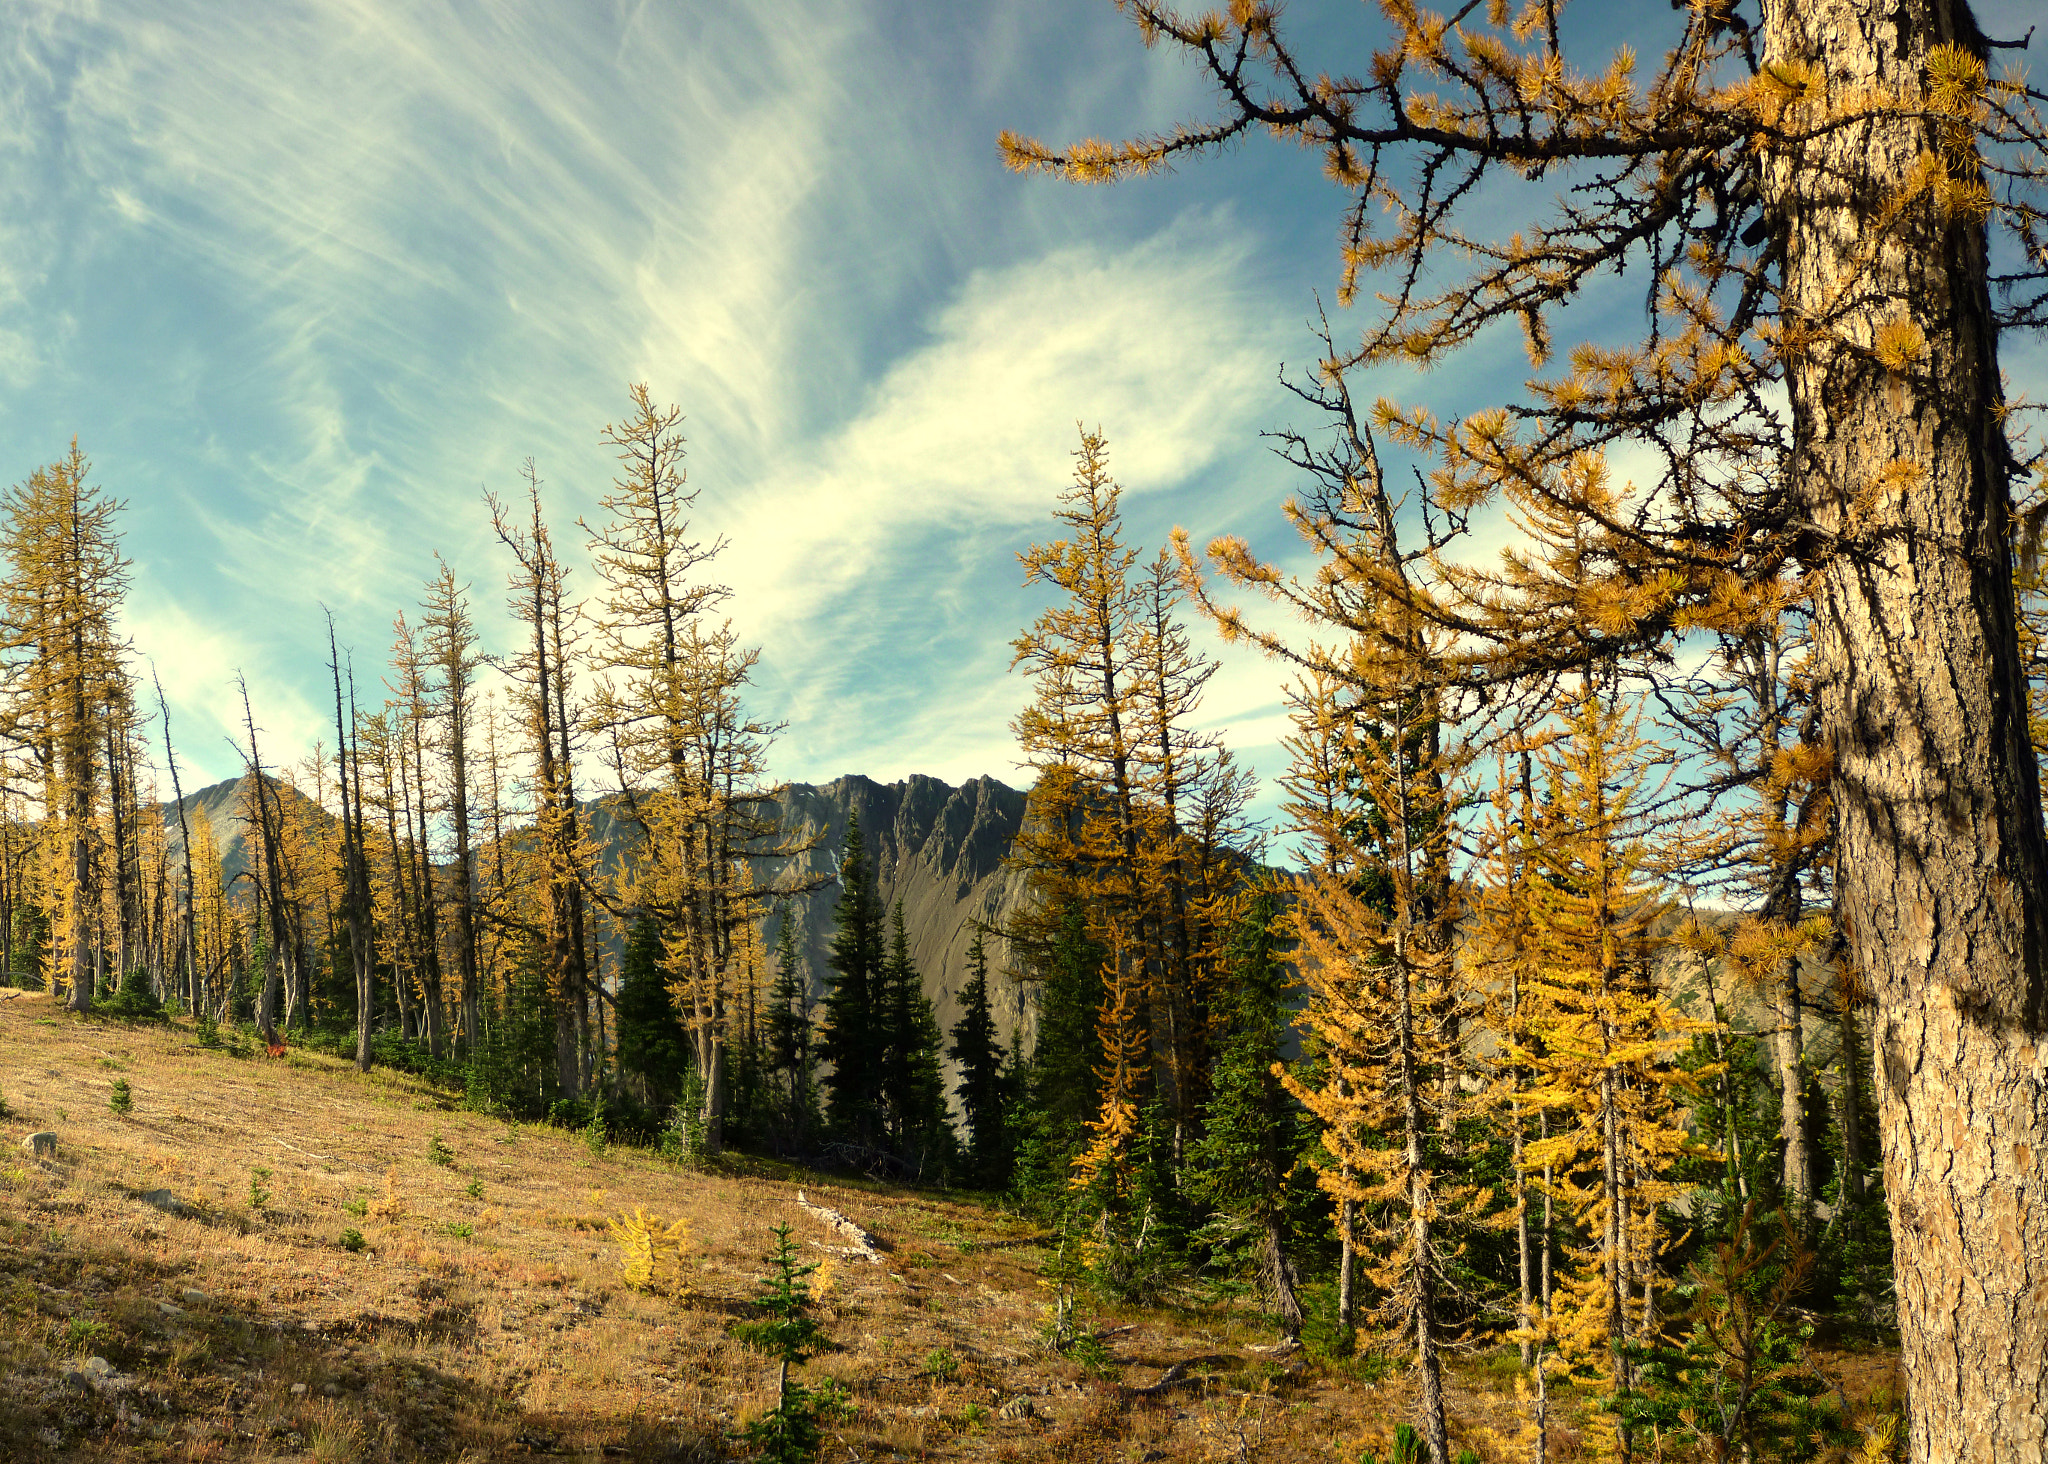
(864, 1245)
(1173, 1377)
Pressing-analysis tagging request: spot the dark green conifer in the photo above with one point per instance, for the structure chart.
(913, 1083)
(787, 1041)
(1061, 1091)
(1253, 1132)
(980, 1058)
(851, 1038)
(650, 1028)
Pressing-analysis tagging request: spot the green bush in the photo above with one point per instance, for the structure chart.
(1408, 1449)
(439, 1153)
(123, 1098)
(351, 1239)
(136, 998)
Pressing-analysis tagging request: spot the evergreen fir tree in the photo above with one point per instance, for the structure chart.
(650, 1028)
(852, 1035)
(1060, 1092)
(748, 1110)
(981, 1089)
(913, 1084)
(1242, 1166)
(787, 1040)
(896, 993)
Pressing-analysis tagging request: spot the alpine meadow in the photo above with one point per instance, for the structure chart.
(996, 857)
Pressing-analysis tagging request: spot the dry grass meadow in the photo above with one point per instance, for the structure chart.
(485, 1316)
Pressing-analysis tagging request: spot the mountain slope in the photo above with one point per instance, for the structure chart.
(937, 848)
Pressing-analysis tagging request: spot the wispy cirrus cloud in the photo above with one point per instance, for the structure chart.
(307, 275)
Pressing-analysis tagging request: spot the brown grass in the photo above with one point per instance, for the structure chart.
(480, 1328)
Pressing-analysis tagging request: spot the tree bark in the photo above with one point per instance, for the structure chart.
(1942, 874)
(1798, 1169)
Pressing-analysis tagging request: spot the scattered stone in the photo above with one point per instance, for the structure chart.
(193, 1297)
(170, 1309)
(51, 1438)
(1017, 1408)
(43, 1145)
(97, 1375)
(164, 1200)
(298, 1390)
(329, 1390)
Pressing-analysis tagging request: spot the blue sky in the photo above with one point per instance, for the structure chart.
(304, 278)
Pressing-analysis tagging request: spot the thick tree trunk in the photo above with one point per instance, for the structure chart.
(1942, 876)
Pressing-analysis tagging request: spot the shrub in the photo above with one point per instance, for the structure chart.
(351, 1239)
(439, 1153)
(1408, 1448)
(646, 1247)
(123, 1098)
(258, 1195)
(136, 998)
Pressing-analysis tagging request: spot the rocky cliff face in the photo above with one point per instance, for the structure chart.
(940, 851)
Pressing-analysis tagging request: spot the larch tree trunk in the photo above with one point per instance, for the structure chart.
(1798, 1170)
(1942, 876)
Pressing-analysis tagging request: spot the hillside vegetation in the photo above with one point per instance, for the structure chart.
(176, 1287)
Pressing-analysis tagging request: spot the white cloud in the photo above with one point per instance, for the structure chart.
(893, 541)
(375, 253)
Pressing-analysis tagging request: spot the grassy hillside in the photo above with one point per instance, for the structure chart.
(155, 1307)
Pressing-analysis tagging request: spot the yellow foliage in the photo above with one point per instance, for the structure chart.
(647, 1249)
(1898, 344)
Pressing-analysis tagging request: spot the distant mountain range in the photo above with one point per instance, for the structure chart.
(936, 848)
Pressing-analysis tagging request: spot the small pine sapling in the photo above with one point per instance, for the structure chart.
(439, 1153)
(788, 1433)
(123, 1098)
(1738, 1382)
(259, 1196)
